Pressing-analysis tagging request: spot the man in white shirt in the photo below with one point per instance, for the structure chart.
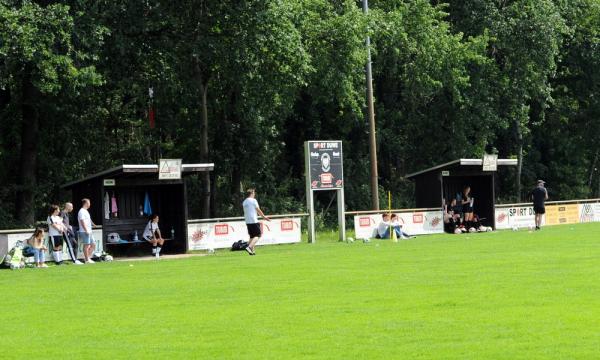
(85, 231)
(251, 212)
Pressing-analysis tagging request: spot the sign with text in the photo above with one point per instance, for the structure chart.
(219, 235)
(325, 165)
(490, 162)
(562, 214)
(413, 223)
(169, 169)
(589, 212)
(518, 216)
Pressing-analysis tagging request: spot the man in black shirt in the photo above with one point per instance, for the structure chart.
(539, 195)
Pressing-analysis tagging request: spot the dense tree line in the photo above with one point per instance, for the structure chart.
(244, 83)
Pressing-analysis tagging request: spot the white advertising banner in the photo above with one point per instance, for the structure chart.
(519, 216)
(413, 223)
(219, 235)
(589, 212)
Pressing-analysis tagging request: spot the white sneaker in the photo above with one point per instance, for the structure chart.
(77, 262)
(90, 261)
(157, 255)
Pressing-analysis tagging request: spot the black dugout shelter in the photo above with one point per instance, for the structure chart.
(443, 182)
(129, 189)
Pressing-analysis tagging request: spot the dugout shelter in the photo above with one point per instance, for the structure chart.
(444, 181)
(123, 198)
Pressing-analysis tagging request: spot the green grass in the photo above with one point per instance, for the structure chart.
(504, 295)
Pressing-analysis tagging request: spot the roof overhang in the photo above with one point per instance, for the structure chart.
(463, 162)
(139, 169)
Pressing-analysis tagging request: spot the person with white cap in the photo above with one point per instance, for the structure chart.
(539, 195)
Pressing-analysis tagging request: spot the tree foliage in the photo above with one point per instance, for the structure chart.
(244, 84)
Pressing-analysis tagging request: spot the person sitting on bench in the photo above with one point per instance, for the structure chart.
(152, 235)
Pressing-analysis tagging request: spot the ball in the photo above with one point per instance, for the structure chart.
(515, 228)
(350, 239)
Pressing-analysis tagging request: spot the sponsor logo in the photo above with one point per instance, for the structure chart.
(502, 217)
(587, 213)
(221, 229)
(198, 235)
(562, 208)
(364, 222)
(339, 183)
(326, 179)
(435, 221)
(287, 225)
(314, 184)
(418, 218)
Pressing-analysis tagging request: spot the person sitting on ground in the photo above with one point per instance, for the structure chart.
(152, 234)
(36, 241)
(395, 220)
(383, 230)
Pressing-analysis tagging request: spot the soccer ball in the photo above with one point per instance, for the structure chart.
(108, 258)
(366, 241)
(350, 240)
(515, 228)
(488, 229)
(211, 250)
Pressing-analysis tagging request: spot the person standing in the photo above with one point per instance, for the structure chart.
(70, 240)
(251, 212)
(56, 229)
(85, 231)
(539, 195)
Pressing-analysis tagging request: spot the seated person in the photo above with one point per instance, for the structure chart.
(152, 234)
(452, 220)
(390, 221)
(398, 228)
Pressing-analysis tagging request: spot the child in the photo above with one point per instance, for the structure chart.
(398, 228)
(36, 241)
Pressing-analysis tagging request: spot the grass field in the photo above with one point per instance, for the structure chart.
(502, 295)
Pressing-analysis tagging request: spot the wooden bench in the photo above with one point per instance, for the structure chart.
(126, 229)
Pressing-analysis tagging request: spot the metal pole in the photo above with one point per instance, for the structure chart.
(372, 135)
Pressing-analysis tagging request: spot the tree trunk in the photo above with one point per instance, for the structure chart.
(519, 159)
(592, 171)
(26, 182)
(206, 188)
(202, 82)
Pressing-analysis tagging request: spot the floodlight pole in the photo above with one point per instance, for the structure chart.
(372, 135)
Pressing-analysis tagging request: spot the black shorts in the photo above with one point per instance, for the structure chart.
(56, 240)
(254, 230)
(539, 210)
(467, 209)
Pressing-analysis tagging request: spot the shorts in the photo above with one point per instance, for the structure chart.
(467, 209)
(86, 238)
(539, 210)
(254, 230)
(57, 240)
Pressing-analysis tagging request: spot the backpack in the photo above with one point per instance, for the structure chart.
(239, 245)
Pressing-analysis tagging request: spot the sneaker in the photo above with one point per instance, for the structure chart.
(43, 266)
(90, 261)
(157, 255)
(77, 262)
(250, 251)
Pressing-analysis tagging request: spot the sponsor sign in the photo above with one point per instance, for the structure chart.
(413, 223)
(224, 234)
(325, 165)
(169, 169)
(519, 216)
(589, 212)
(562, 214)
(109, 182)
(490, 162)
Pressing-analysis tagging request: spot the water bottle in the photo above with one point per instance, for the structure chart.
(172, 233)
(135, 236)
